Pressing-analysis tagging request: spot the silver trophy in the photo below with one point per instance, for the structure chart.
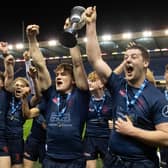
(68, 37)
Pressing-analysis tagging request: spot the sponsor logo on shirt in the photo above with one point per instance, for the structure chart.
(165, 111)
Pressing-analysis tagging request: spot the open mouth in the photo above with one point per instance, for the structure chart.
(59, 83)
(18, 93)
(129, 69)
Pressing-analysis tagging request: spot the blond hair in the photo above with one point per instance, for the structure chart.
(24, 80)
(93, 76)
(150, 76)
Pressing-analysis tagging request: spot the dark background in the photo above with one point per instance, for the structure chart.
(113, 17)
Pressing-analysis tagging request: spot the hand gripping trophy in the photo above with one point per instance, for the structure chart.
(68, 37)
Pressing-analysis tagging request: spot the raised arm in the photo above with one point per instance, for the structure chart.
(26, 56)
(92, 46)
(9, 63)
(37, 94)
(31, 74)
(120, 68)
(78, 67)
(26, 111)
(9, 72)
(37, 57)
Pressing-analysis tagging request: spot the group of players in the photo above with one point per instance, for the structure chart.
(135, 109)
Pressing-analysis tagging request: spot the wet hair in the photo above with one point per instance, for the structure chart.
(2, 76)
(24, 80)
(93, 76)
(66, 67)
(144, 51)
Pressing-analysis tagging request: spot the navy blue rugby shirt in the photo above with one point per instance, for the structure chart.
(97, 126)
(150, 109)
(37, 131)
(14, 118)
(64, 134)
(3, 111)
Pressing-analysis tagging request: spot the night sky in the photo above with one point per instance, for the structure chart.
(114, 18)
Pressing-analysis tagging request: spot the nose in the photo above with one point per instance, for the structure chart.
(58, 75)
(18, 86)
(128, 59)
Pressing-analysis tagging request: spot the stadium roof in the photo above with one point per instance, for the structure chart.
(111, 45)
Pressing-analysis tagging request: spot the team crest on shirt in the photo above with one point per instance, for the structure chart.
(105, 109)
(165, 111)
(91, 109)
(122, 92)
(55, 100)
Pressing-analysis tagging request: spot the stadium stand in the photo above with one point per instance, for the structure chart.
(112, 48)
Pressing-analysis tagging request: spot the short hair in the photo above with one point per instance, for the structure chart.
(24, 80)
(2, 76)
(93, 76)
(66, 67)
(143, 50)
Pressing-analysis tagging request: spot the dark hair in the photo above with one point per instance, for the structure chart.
(143, 50)
(66, 67)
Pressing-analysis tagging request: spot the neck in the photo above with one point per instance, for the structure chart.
(135, 83)
(65, 91)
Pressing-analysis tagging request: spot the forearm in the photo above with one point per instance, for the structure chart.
(78, 68)
(76, 56)
(25, 107)
(37, 87)
(94, 53)
(92, 45)
(26, 111)
(154, 138)
(28, 66)
(119, 69)
(40, 64)
(37, 93)
(9, 77)
(35, 51)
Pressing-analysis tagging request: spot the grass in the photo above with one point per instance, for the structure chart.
(99, 164)
(27, 127)
(37, 165)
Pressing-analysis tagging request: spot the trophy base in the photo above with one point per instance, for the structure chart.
(68, 40)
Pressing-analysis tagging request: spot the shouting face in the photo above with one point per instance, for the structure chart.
(135, 66)
(64, 81)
